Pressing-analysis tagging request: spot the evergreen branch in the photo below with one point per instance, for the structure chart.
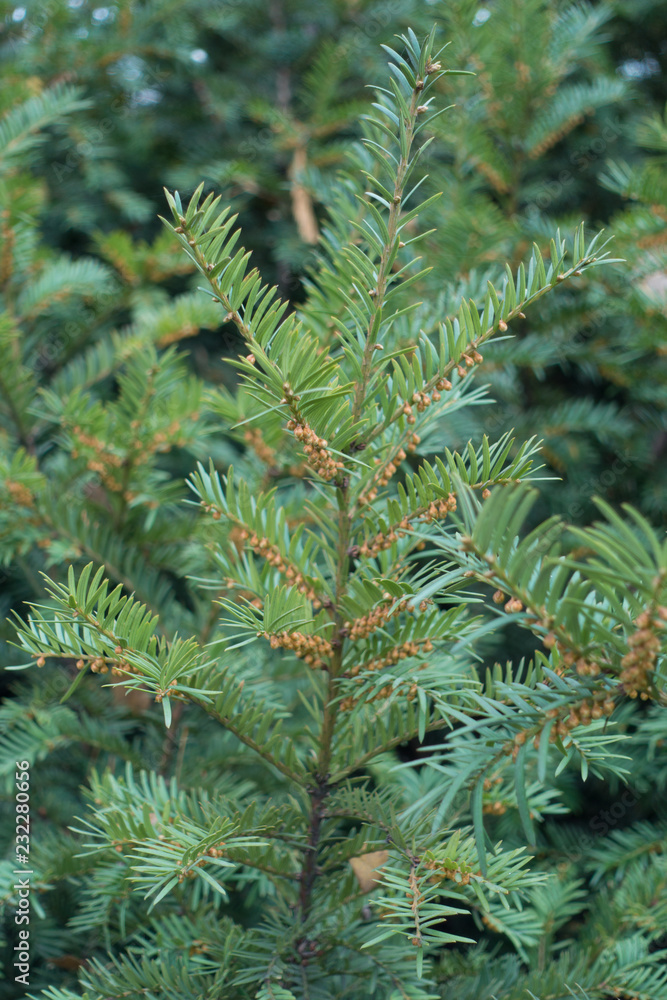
(390, 247)
(257, 747)
(20, 127)
(461, 340)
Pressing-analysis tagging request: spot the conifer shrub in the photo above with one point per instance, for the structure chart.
(345, 803)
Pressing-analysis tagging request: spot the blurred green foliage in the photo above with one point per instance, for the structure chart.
(102, 106)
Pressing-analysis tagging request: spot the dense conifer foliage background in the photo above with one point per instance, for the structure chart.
(118, 375)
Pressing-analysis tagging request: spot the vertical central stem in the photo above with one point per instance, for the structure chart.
(383, 268)
(321, 787)
(309, 870)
